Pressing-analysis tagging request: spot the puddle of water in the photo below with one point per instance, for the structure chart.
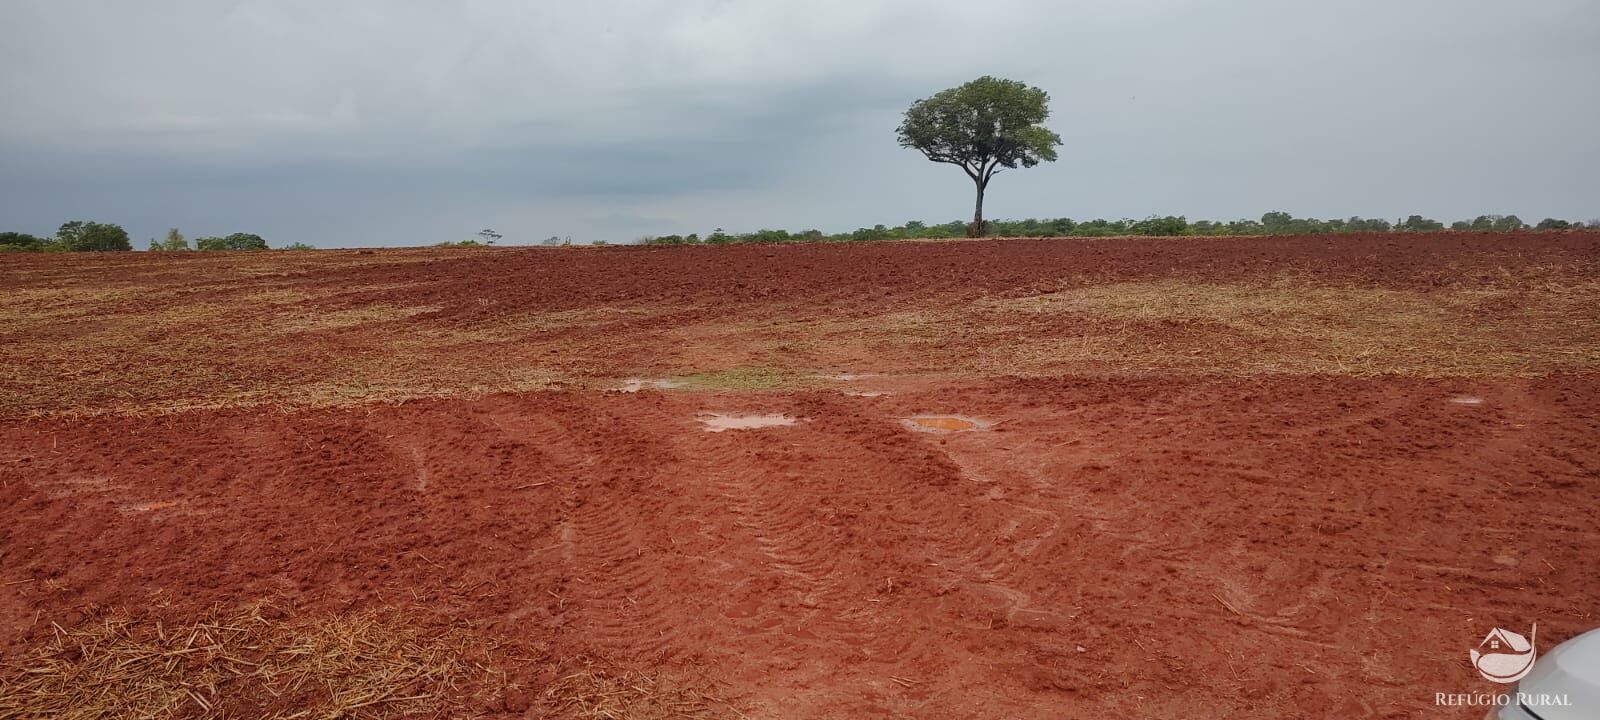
(718, 422)
(944, 423)
(1467, 400)
(633, 385)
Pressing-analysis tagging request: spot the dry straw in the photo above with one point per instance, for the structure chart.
(261, 663)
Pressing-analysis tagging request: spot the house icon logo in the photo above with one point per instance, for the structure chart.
(1504, 656)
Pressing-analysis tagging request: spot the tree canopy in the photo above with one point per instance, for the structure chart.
(21, 242)
(174, 242)
(82, 236)
(236, 241)
(982, 127)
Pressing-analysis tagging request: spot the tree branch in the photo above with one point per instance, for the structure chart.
(990, 169)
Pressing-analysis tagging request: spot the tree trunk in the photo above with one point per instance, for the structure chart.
(978, 229)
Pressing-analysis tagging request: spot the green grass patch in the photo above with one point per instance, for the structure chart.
(743, 378)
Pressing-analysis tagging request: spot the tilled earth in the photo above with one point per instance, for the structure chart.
(1266, 477)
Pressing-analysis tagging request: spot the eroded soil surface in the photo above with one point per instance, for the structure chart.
(1292, 478)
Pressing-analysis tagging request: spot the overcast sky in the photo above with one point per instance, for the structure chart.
(397, 122)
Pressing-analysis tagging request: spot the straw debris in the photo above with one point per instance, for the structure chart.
(261, 663)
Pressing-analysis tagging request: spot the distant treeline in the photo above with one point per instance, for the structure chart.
(1272, 223)
(86, 236)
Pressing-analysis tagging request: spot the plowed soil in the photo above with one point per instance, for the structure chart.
(1264, 477)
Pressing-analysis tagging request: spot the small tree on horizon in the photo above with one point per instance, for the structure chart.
(87, 236)
(174, 242)
(982, 127)
(236, 241)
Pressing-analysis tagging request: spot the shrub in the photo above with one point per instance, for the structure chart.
(21, 242)
(1161, 226)
(236, 241)
(1418, 223)
(85, 236)
(1278, 222)
(173, 242)
(767, 236)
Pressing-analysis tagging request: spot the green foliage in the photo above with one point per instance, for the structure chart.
(459, 244)
(986, 123)
(236, 241)
(1497, 223)
(740, 378)
(770, 236)
(1553, 224)
(1282, 223)
(1160, 226)
(245, 241)
(22, 242)
(689, 239)
(982, 127)
(1418, 223)
(85, 236)
(876, 232)
(1272, 223)
(299, 246)
(173, 242)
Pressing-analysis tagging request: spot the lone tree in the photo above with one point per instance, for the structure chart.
(983, 126)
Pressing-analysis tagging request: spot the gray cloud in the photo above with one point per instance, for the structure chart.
(390, 122)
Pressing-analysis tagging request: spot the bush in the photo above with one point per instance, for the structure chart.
(83, 236)
(1418, 223)
(1279, 222)
(236, 241)
(174, 242)
(299, 246)
(767, 236)
(21, 242)
(1160, 226)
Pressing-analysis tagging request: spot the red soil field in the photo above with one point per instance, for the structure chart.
(1156, 514)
